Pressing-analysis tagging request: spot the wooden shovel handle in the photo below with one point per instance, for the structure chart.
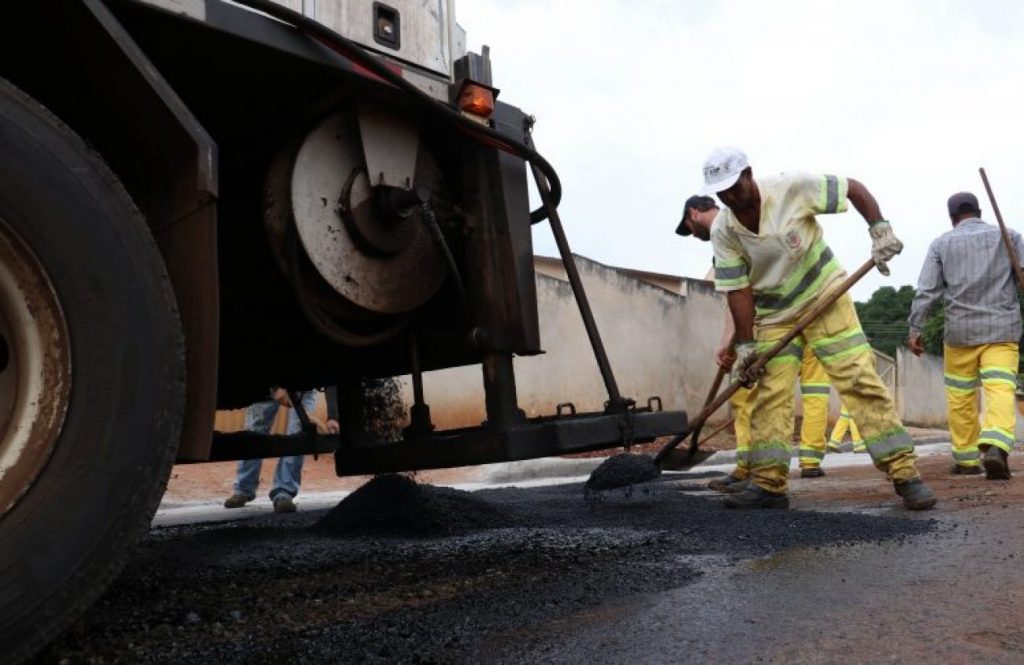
(763, 358)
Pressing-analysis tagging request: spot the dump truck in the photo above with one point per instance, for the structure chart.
(203, 198)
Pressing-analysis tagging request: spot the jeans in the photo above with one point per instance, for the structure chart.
(258, 418)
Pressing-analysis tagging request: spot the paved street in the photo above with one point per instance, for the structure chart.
(536, 574)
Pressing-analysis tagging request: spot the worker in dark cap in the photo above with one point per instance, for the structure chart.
(698, 214)
(969, 269)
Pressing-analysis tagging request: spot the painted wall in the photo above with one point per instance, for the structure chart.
(658, 343)
(660, 340)
(920, 389)
(922, 392)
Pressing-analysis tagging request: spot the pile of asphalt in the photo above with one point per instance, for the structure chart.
(269, 588)
(395, 505)
(622, 470)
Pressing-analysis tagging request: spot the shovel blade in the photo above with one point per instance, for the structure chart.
(682, 460)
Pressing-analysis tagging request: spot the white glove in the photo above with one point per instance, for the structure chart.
(746, 355)
(884, 244)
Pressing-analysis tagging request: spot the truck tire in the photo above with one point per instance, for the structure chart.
(92, 383)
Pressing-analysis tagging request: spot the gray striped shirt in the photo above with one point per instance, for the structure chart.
(968, 268)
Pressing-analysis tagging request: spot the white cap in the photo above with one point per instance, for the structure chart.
(722, 169)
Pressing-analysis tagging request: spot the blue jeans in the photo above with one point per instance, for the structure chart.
(258, 418)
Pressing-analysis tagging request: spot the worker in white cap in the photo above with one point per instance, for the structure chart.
(699, 213)
(773, 263)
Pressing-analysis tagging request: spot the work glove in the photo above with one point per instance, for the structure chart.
(746, 355)
(884, 244)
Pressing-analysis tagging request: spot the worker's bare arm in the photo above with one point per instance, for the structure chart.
(725, 354)
(741, 305)
(863, 201)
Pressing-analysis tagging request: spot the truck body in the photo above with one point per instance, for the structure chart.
(204, 198)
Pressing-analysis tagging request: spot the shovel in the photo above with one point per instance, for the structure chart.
(693, 455)
(680, 460)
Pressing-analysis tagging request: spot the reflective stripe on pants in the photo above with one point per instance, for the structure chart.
(994, 366)
(741, 402)
(838, 342)
(814, 392)
(845, 423)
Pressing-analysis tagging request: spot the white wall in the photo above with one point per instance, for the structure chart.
(920, 390)
(658, 343)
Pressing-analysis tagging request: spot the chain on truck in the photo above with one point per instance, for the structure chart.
(201, 198)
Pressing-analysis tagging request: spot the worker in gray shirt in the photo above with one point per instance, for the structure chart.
(970, 270)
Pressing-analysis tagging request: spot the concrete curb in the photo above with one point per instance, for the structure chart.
(729, 456)
(550, 467)
(560, 467)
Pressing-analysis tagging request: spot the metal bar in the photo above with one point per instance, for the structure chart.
(715, 386)
(542, 437)
(500, 390)
(539, 437)
(250, 445)
(763, 358)
(296, 397)
(1011, 253)
(614, 397)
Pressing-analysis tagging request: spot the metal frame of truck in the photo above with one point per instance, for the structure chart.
(151, 125)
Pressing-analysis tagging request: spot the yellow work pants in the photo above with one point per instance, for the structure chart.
(845, 423)
(995, 367)
(837, 340)
(814, 391)
(741, 404)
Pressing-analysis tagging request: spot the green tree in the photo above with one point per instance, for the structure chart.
(934, 328)
(884, 317)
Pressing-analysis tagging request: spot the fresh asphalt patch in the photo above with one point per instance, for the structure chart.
(366, 588)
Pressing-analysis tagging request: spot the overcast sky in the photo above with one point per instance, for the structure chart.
(908, 97)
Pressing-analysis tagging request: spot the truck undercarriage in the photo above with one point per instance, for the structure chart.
(295, 211)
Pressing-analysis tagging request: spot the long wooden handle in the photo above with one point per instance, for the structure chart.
(715, 386)
(762, 359)
(1010, 251)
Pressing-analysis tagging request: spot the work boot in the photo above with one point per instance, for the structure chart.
(757, 497)
(834, 447)
(916, 495)
(284, 504)
(812, 472)
(860, 448)
(996, 466)
(237, 500)
(963, 470)
(729, 484)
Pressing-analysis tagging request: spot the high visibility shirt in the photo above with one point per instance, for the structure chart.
(787, 262)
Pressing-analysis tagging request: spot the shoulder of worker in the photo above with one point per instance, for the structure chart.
(721, 226)
(794, 181)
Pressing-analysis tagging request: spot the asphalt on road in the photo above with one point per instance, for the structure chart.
(655, 573)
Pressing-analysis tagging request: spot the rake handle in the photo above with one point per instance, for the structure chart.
(762, 360)
(1007, 243)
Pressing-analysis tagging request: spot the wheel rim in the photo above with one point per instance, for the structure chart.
(35, 368)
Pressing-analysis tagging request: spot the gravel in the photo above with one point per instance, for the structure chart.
(394, 504)
(491, 569)
(622, 470)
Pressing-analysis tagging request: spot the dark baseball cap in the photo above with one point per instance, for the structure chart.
(962, 202)
(699, 202)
